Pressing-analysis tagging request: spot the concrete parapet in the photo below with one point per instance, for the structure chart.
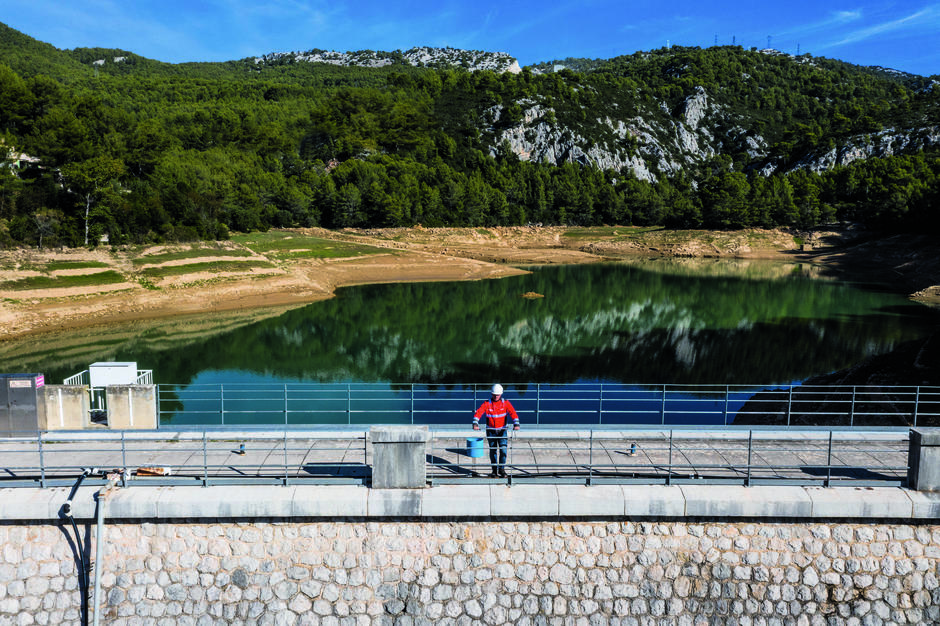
(923, 470)
(737, 501)
(479, 502)
(399, 456)
(63, 407)
(132, 406)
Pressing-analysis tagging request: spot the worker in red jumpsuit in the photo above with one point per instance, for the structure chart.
(496, 412)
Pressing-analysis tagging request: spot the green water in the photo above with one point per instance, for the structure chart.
(660, 321)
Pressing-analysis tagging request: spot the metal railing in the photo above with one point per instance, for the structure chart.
(144, 377)
(745, 457)
(550, 405)
(284, 457)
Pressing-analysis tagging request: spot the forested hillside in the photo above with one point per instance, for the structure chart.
(104, 142)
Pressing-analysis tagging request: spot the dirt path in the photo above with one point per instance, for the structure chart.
(415, 254)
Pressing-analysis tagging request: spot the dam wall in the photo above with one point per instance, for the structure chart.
(465, 554)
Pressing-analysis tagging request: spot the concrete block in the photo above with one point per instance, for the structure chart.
(63, 407)
(399, 456)
(860, 502)
(737, 501)
(225, 502)
(135, 502)
(132, 407)
(653, 501)
(456, 501)
(926, 505)
(598, 500)
(31, 504)
(330, 501)
(923, 469)
(524, 500)
(394, 503)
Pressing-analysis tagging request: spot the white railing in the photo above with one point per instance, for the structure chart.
(82, 378)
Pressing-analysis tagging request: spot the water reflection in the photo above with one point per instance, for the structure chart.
(665, 321)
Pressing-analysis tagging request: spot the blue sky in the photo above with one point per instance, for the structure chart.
(903, 34)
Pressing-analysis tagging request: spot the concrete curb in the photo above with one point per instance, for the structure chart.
(478, 501)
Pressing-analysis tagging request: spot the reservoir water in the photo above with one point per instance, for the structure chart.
(639, 323)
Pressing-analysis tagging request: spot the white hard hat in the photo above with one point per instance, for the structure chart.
(497, 390)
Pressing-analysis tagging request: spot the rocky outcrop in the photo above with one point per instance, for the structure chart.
(472, 60)
(889, 142)
(638, 145)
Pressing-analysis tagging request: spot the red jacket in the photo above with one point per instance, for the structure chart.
(495, 414)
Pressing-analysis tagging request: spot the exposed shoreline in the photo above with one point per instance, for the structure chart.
(423, 255)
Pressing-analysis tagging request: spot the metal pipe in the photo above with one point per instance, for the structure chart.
(102, 499)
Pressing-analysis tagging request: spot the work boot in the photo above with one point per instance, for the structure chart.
(493, 474)
(502, 472)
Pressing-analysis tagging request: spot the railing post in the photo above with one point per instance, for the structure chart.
(789, 404)
(42, 461)
(852, 410)
(727, 395)
(158, 409)
(916, 404)
(750, 447)
(538, 403)
(829, 462)
(123, 451)
(222, 402)
(591, 459)
(600, 406)
(348, 404)
(669, 467)
(662, 414)
(412, 404)
(286, 478)
(205, 459)
(285, 405)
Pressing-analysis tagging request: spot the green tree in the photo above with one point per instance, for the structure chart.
(94, 181)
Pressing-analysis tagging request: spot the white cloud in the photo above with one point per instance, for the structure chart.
(928, 17)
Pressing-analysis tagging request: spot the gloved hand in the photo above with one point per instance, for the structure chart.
(516, 427)
(476, 427)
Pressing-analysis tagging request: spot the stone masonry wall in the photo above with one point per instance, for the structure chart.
(481, 572)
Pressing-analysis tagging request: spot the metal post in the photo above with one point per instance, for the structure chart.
(829, 462)
(222, 402)
(789, 404)
(852, 411)
(285, 405)
(412, 404)
(42, 462)
(662, 411)
(285, 458)
(600, 406)
(669, 468)
(916, 404)
(750, 440)
(538, 402)
(159, 413)
(727, 394)
(591, 459)
(205, 459)
(123, 458)
(348, 403)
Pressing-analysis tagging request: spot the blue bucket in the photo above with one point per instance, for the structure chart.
(475, 447)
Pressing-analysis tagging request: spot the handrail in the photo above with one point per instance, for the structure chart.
(543, 404)
(294, 456)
